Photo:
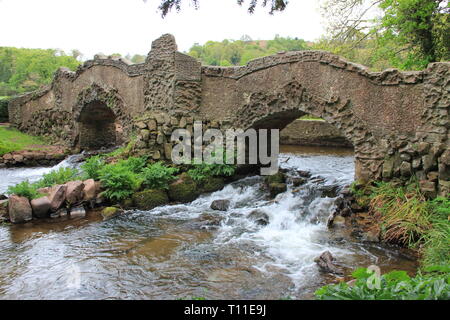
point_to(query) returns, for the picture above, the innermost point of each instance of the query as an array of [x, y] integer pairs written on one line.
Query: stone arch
[[101, 117], [276, 109]]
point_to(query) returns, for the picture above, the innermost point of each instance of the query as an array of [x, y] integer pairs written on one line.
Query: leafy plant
[[203, 171], [92, 167], [24, 189], [158, 176], [60, 176], [134, 164], [119, 182], [395, 285]]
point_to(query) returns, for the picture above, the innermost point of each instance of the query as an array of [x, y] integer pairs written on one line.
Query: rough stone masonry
[[398, 122]]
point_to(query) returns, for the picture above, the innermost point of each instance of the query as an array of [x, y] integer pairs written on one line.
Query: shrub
[[119, 182], [158, 176], [24, 189], [60, 176], [92, 167], [395, 285]]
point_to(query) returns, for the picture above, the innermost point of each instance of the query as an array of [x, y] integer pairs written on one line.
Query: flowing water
[[189, 250]]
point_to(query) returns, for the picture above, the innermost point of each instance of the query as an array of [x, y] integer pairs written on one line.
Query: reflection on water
[[189, 250]]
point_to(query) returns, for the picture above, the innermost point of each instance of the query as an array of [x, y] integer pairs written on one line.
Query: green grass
[[14, 140]]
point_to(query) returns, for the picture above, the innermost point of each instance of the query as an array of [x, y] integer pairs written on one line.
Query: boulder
[[211, 184], [259, 217], [19, 209], [304, 174], [57, 197], [277, 188], [276, 178], [77, 212], [150, 198], [4, 210], [298, 181], [74, 191], [326, 263], [90, 189], [183, 190], [110, 212], [221, 205], [41, 207]]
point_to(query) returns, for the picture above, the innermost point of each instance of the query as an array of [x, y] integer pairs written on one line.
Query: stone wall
[[397, 121], [313, 133]]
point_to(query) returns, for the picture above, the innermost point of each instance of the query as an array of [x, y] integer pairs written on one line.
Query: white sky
[[129, 26]]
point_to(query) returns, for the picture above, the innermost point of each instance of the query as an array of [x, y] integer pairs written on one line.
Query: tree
[[275, 5], [407, 34]]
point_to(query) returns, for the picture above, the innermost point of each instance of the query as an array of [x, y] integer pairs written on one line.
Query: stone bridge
[[398, 122]]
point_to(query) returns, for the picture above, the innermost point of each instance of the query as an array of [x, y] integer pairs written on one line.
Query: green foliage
[[24, 70], [203, 171], [134, 164], [406, 34], [60, 176], [408, 218], [92, 167], [437, 240], [24, 189], [119, 181], [404, 212], [158, 176], [395, 285], [234, 53], [14, 140]]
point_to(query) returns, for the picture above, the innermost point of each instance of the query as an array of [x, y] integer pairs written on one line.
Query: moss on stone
[[109, 212], [276, 188], [150, 198], [276, 178], [211, 184], [184, 189]]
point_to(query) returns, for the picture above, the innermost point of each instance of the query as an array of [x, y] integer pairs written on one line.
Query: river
[[189, 250]]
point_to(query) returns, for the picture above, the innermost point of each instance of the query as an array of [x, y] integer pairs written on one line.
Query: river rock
[[150, 198], [221, 205], [259, 217], [277, 188], [74, 191], [19, 209], [211, 184], [41, 207], [57, 197], [90, 189], [304, 174], [298, 181], [77, 212], [275, 178], [183, 190], [3, 197], [110, 212], [326, 263], [4, 210]]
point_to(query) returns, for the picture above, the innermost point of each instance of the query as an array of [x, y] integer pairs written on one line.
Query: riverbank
[[396, 214]]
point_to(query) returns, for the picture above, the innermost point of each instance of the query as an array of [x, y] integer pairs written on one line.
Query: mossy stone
[[184, 189], [276, 188], [150, 198], [110, 212], [211, 184], [276, 178]]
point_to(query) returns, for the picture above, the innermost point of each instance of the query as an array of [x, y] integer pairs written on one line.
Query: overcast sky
[[129, 26]]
